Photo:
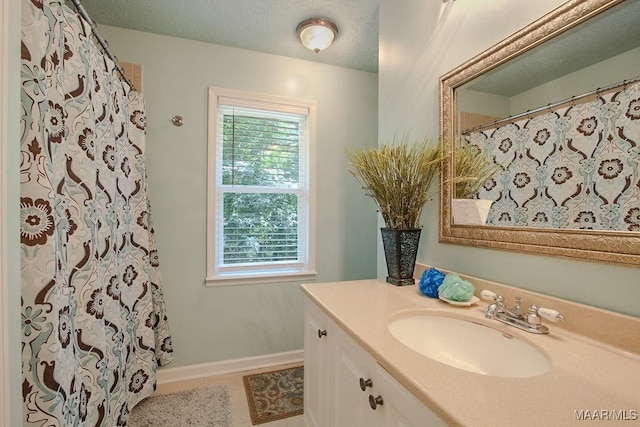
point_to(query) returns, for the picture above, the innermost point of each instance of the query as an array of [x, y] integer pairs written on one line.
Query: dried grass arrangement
[[398, 175], [472, 170]]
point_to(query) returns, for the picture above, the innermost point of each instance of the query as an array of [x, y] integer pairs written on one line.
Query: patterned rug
[[205, 407], [274, 395]]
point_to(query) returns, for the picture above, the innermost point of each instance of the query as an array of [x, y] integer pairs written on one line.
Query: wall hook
[[177, 121]]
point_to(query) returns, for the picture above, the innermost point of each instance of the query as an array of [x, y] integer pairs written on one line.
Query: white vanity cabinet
[[401, 408], [337, 370], [316, 365], [353, 370]]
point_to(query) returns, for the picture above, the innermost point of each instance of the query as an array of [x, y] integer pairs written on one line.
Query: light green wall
[[222, 323], [602, 74], [484, 103], [415, 52]]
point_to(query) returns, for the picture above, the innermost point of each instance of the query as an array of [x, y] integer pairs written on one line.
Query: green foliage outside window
[[259, 155]]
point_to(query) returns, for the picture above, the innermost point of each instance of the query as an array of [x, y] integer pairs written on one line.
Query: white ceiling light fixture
[[317, 33]]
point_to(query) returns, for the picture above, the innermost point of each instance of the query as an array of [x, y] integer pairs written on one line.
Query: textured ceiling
[[609, 34], [261, 25]]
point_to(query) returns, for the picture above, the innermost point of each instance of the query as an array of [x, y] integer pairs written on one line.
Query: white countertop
[[586, 375]]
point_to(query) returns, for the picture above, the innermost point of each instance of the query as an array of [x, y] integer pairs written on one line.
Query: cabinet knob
[[365, 383], [322, 333], [375, 401]]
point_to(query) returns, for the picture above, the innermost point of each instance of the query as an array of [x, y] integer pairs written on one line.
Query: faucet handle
[[550, 314], [532, 316], [488, 295], [517, 308]]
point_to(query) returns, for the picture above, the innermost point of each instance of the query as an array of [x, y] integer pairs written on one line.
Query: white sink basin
[[469, 346]]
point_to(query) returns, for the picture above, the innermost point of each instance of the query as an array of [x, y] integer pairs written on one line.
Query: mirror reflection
[[555, 107], [561, 123]]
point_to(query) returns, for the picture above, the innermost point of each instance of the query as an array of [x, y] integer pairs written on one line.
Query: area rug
[[205, 407], [275, 395]]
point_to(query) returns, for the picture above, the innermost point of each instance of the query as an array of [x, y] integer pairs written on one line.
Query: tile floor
[[239, 406]]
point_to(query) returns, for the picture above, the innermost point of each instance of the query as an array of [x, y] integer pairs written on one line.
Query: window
[[260, 196]]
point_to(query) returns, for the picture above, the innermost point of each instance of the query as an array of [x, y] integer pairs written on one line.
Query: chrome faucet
[[515, 317]]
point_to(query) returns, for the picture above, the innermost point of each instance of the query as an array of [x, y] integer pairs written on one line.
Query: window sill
[[255, 279]]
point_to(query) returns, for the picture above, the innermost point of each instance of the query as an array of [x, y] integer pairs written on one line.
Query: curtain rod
[[552, 105], [101, 41]]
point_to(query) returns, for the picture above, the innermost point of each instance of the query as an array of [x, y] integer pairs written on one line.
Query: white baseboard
[[189, 372]]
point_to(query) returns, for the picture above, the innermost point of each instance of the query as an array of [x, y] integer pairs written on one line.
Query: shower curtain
[[94, 328], [576, 167]]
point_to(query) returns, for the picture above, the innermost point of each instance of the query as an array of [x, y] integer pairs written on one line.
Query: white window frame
[[218, 275]]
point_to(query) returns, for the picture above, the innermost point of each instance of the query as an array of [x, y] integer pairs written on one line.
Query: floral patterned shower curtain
[[94, 328], [575, 167]]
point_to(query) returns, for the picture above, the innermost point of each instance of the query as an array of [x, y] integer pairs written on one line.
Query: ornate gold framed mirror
[[561, 37]]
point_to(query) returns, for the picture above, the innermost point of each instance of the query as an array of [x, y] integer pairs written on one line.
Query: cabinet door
[[401, 408], [353, 365], [316, 367], [334, 364]]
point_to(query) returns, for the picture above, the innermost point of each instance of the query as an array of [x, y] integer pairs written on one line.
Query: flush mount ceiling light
[[317, 33]]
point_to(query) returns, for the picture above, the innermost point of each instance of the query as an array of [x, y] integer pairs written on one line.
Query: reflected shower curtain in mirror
[[94, 328], [575, 167]]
